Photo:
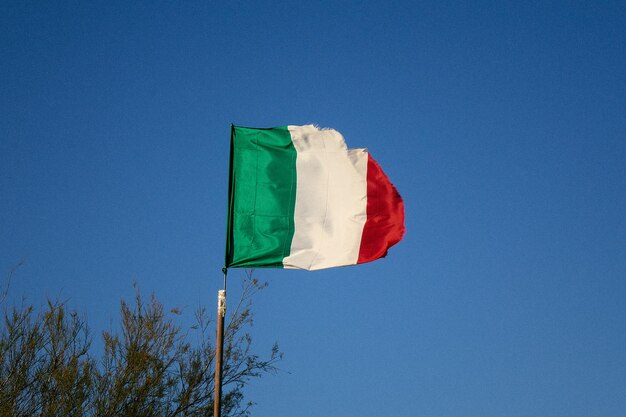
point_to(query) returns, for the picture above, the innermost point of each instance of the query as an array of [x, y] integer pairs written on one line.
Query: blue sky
[[502, 124]]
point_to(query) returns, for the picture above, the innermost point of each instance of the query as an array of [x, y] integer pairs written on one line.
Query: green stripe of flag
[[263, 167]]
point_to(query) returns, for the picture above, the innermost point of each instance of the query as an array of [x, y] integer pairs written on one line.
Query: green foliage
[[150, 368]]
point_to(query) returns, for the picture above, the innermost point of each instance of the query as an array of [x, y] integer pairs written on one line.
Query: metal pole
[[219, 348]]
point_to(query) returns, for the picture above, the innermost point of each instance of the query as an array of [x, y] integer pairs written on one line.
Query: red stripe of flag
[[384, 226]]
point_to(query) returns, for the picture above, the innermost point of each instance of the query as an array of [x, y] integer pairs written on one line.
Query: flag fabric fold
[[299, 198]]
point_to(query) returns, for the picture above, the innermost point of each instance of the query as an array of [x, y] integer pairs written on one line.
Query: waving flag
[[299, 198]]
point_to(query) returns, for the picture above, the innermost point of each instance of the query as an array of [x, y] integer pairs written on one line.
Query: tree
[[150, 368]]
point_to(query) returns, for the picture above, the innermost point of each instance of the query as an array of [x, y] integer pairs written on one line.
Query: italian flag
[[299, 198]]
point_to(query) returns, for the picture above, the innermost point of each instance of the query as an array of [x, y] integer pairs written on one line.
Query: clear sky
[[503, 126]]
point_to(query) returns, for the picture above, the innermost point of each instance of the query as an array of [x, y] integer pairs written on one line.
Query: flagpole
[[219, 348]]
